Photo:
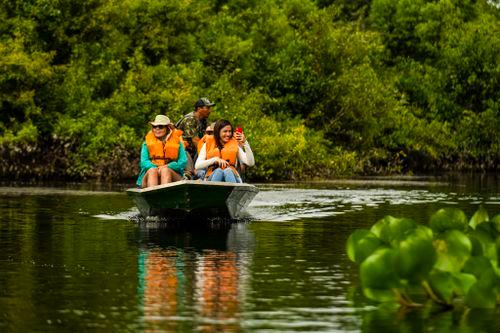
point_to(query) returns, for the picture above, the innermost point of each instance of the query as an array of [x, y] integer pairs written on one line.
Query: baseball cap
[[203, 102]]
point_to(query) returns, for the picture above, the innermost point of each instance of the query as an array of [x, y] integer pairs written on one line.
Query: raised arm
[[245, 155]]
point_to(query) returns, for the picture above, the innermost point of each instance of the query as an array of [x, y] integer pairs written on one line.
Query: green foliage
[[392, 230], [448, 219], [322, 88], [480, 216], [361, 244], [453, 249], [411, 267], [398, 255], [379, 276]]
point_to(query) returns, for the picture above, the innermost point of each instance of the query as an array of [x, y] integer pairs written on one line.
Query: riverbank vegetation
[[322, 88]]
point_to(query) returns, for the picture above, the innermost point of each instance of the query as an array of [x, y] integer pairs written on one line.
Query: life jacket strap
[[166, 159]]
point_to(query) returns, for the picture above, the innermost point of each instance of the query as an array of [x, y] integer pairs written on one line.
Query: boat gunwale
[[190, 182]]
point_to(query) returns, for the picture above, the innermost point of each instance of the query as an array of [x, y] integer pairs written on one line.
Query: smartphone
[[239, 129]]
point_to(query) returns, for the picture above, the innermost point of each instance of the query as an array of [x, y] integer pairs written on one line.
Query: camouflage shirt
[[192, 127]]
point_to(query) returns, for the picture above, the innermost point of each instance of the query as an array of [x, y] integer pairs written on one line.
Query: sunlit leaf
[[391, 229], [448, 219], [462, 283], [380, 295], [442, 285], [377, 271], [480, 216], [416, 254], [453, 249], [360, 244]]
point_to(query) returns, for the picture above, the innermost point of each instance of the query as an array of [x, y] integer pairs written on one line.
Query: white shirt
[[245, 156]]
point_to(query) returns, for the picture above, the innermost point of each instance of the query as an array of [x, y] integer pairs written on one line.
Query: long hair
[[220, 124]]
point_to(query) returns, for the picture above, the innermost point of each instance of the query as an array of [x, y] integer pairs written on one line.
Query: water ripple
[[292, 204]]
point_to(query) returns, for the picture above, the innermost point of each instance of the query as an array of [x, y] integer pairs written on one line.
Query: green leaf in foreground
[[480, 216], [448, 219], [453, 249], [391, 229], [416, 254], [482, 294], [380, 295], [361, 244], [477, 266], [478, 297], [378, 275], [482, 236], [451, 260], [495, 221], [442, 285], [462, 283], [498, 252]]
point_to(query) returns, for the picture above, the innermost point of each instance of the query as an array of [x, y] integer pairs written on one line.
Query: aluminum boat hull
[[198, 199]]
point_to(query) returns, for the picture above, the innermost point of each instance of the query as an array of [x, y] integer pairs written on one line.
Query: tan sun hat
[[161, 120]]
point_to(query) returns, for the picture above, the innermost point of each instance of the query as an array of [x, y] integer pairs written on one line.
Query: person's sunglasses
[[159, 126], [209, 132]]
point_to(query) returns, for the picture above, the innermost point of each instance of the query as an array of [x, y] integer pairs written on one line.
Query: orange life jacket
[[179, 133], [209, 144], [163, 153], [229, 153]]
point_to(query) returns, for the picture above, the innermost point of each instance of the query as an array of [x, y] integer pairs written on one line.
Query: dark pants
[[189, 171]]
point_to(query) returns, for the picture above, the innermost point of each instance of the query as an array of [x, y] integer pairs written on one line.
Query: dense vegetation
[[322, 88], [450, 259]]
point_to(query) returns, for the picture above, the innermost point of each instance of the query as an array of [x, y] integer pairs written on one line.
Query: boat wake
[[131, 214], [283, 203], [291, 204]]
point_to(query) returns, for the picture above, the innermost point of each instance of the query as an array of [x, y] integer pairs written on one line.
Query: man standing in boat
[[193, 126]]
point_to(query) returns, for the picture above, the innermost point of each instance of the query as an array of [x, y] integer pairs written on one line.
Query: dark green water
[[77, 258]]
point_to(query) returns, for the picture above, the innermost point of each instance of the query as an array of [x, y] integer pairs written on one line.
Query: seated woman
[[223, 154], [163, 157]]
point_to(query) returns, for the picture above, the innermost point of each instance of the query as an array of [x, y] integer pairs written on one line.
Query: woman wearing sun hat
[[163, 157]]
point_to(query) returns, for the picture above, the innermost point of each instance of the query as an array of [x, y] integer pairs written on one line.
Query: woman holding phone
[[228, 150]]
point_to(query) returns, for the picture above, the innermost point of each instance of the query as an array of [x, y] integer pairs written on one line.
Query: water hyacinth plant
[[450, 259]]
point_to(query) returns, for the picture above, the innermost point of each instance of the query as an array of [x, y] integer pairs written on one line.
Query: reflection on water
[[185, 282], [81, 260]]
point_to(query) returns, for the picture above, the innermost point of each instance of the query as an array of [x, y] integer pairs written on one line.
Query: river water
[[79, 258]]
